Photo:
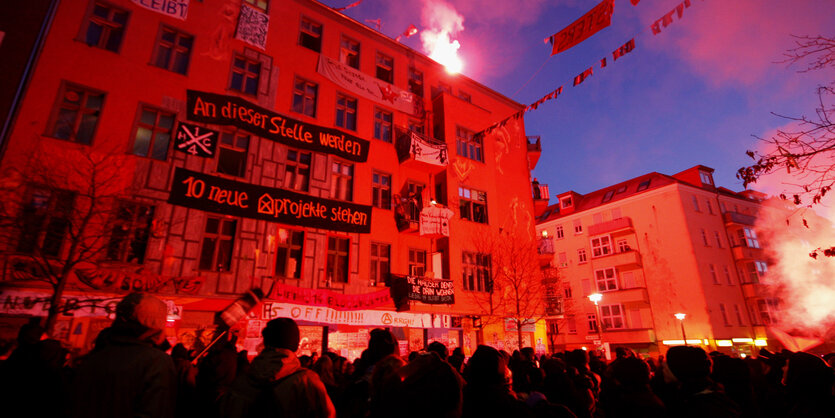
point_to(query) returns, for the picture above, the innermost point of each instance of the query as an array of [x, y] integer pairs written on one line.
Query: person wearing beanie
[[276, 384], [127, 374]]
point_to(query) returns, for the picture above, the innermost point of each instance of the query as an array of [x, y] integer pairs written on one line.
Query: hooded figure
[[127, 374], [276, 384]]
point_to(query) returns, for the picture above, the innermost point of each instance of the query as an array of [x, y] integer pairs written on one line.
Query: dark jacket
[[124, 377], [296, 392]]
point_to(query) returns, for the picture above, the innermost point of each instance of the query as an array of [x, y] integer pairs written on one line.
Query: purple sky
[[693, 94]]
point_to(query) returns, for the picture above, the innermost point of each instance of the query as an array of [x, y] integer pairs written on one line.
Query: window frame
[[559, 232], [304, 98], [298, 169], [609, 318], [379, 188], [376, 273], [468, 145], [120, 248], [415, 264], [227, 149], [40, 220], [219, 237], [309, 35], [384, 67], [246, 74], [476, 271], [346, 52], [155, 132], [79, 112], [416, 85], [465, 199], [108, 26], [601, 248], [335, 255], [609, 283], [380, 125], [346, 112], [175, 48], [342, 190], [288, 248], [582, 256]]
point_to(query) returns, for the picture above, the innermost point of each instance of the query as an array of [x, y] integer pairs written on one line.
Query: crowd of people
[[129, 373]]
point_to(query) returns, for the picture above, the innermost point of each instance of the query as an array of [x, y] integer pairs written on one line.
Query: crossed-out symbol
[[203, 141]]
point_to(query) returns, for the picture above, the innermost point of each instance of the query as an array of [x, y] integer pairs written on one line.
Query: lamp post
[[595, 297], [680, 317]]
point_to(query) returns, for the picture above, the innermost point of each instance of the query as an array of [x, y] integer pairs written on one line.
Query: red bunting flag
[[411, 30], [582, 77], [602, 62], [635, 2], [354, 4], [592, 22], [623, 50]]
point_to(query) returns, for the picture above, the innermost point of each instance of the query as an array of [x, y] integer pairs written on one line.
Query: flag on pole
[[592, 22], [411, 30]]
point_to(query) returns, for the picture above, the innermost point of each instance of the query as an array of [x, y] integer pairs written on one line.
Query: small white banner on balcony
[[369, 87], [435, 221], [427, 152]]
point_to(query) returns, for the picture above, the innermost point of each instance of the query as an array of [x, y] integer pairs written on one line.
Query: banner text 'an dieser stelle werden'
[[215, 194], [230, 110]]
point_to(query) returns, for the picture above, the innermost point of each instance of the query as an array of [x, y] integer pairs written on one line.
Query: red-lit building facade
[[280, 145], [651, 247]]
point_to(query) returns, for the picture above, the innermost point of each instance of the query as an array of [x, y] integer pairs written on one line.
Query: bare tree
[[57, 211], [515, 289], [806, 151]]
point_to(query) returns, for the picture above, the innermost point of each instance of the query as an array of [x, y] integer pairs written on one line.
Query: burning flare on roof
[[442, 22]]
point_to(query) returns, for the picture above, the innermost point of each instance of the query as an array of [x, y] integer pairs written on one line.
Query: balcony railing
[[620, 224], [622, 259], [742, 252], [421, 151], [738, 218], [545, 246], [540, 191]]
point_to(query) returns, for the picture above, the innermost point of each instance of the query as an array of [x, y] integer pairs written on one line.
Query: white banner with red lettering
[[323, 315], [369, 87]]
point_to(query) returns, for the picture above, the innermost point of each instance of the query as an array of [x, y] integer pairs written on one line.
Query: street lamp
[[680, 317], [595, 297]]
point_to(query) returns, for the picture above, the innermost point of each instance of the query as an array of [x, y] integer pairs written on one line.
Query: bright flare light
[[446, 53], [595, 297], [442, 21], [680, 316]]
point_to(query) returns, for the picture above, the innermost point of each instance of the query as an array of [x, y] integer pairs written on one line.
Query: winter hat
[[282, 333]]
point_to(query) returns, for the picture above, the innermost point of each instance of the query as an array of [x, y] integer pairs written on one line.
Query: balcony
[[620, 225], [545, 246], [627, 259], [628, 295], [738, 218], [421, 152], [754, 290], [407, 213], [743, 253]]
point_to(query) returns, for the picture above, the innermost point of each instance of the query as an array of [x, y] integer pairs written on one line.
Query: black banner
[[196, 140], [214, 194], [423, 289], [230, 110]]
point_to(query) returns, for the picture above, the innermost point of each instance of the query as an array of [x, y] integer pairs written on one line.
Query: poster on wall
[[215, 194], [196, 140], [253, 26], [230, 110], [422, 289]]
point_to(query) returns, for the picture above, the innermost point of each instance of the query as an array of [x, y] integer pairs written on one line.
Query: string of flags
[[354, 4], [411, 30], [582, 29]]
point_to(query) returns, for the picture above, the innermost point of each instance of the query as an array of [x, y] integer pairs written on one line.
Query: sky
[[696, 93]]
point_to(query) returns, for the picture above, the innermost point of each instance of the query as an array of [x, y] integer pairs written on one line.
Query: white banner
[[369, 87], [428, 152], [177, 9], [435, 221], [252, 27], [323, 315]]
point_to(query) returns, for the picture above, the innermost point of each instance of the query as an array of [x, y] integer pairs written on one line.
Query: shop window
[[304, 97], [288, 254], [297, 170], [153, 133], [346, 112], [472, 205], [105, 26], [342, 181], [76, 113], [310, 35], [246, 74], [45, 220], [477, 272], [130, 233], [349, 52], [218, 242], [232, 152], [173, 50], [380, 263], [338, 253]]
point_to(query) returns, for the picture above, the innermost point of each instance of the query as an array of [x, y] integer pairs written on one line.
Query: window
[[724, 313], [706, 177], [297, 170], [385, 68], [643, 185], [738, 315], [417, 262], [76, 113], [601, 246], [304, 97], [416, 82], [414, 199], [381, 190], [416, 126], [218, 241], [173, 50], [571, 324], [130, 232], [153, 133], [380, 263], [767, 309], [472, 205], [578, 227], [566, 290], [231, 155], [382, 125], [608, 196], [288, 254], [259, 4], [560, 234], [44, 221], [477, 272], [606, 279], [563, 259], [592, 322], [623, 246], [709, 207], [342, 181], [310, 35], [696, 204], [713, 275], [704, 237], [566, 202], [621, 189], [465, 96], [748, 237], [346, 112], [612, 317], [245, 75], [728, 276], [581, 255], [442, 88], [349, 52], [468, 145], [718, 239], [106, 27], [338, 249]]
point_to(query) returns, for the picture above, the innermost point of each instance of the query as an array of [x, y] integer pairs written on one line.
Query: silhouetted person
[[809, 382], [438, 348], [430, 387], [186, 381], [276, 384], [126, 374], [488, 392], [381, 343], [456, 360], [628, 394], [697, 395], [215, 373]]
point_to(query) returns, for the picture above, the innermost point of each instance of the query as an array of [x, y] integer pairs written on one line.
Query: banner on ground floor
[[329, 316], [328, 298], [34, 303]]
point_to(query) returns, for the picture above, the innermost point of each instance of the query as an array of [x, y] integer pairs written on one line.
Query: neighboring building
[[214, 120], [654, 246]]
